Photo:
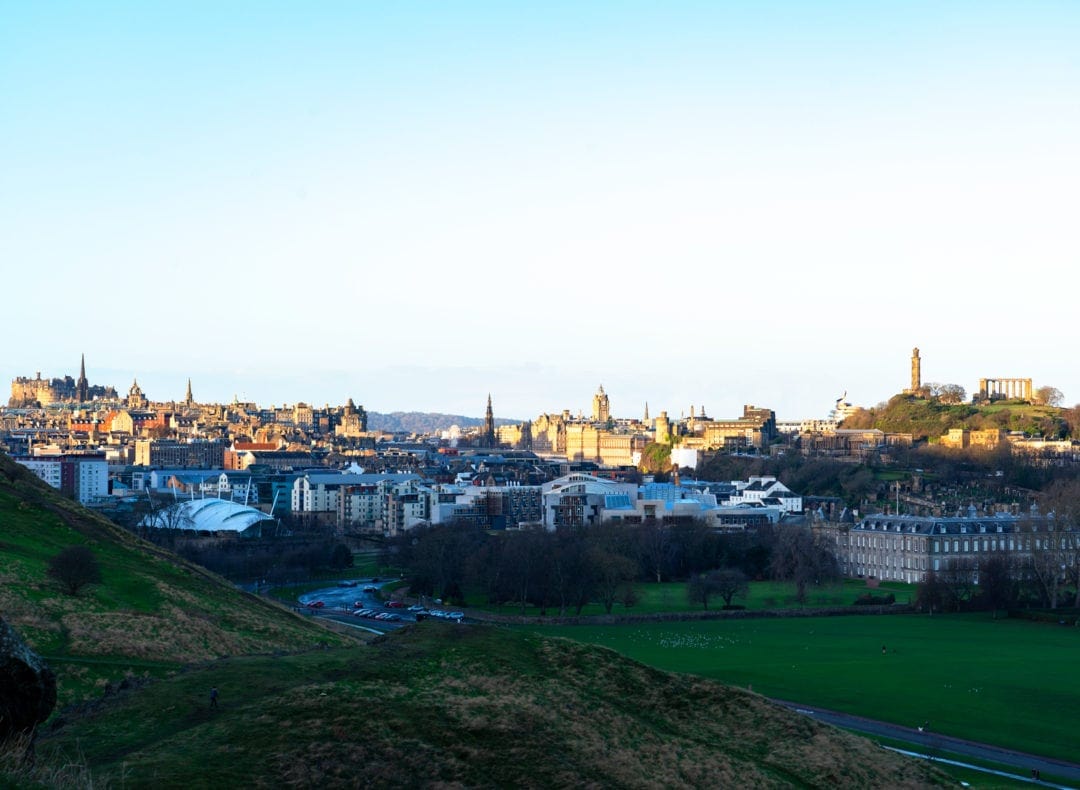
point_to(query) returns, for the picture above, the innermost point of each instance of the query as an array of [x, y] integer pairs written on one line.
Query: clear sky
[[415, 204]]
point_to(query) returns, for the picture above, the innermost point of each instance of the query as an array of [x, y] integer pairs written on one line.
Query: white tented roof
[[210, 515]]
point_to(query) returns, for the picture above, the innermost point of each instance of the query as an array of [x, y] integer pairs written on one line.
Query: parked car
[[396, 604], [364, 612], [371, 589], [382, 615], [416, 608], [315, 604], [456, 616], [393, 617]]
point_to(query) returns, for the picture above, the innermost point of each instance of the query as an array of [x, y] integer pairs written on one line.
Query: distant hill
[[152, 612], [440, 705], [931, 418], [425, 422]]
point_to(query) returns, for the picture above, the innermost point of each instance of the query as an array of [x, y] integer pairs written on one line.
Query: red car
[[316, 605], [396, 604]]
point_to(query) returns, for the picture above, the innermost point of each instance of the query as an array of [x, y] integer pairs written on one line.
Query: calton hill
[[640, 655]]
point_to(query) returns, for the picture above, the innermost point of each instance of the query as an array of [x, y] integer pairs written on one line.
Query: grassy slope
[[152, 612], [479, 706], [930, 418], [968, 675]]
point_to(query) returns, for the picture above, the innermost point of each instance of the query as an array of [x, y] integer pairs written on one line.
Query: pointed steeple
[[188, 398], [489, 424], [646, 412], [82, 388]]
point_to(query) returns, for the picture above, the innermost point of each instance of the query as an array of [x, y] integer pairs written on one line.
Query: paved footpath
[[934, 742]]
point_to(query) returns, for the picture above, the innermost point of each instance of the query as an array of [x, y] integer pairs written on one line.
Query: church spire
[[489, 424], [82, 388], [188, 398]]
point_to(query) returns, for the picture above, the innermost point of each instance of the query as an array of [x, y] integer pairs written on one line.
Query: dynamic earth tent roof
[[209, 515]]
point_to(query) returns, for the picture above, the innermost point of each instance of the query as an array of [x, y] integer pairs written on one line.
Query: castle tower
[[82, 388], [489, 425], [916, 371], [601, 406]]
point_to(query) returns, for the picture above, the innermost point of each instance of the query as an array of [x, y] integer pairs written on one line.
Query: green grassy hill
[[152, 612], [929, 417], [448, 705]]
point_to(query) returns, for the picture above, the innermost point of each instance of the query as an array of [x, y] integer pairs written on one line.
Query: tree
[[726, 583], [613, 573], [802, 558], [1061, 501], [173, 516], [932, 593], [1072, 420], [341, 557], [951, 393], [959, 580], [655, 549], [74, 568], [997, 583], [1049, 396]]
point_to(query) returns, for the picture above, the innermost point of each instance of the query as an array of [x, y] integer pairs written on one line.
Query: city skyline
[[415, 205], [158, 386]]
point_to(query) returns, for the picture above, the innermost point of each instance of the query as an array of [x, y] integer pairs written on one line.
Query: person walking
[[213, 697]]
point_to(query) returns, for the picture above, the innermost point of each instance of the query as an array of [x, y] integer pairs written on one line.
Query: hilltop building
[[37, 391]]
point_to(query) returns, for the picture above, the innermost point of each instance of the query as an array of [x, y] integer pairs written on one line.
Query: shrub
[[74, 568], [868, 599]]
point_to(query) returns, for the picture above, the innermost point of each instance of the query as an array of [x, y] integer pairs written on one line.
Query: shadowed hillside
[[449, 705]]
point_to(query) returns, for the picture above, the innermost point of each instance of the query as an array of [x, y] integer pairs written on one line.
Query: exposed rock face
[[27, 685]]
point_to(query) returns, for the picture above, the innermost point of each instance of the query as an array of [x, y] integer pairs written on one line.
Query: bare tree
[[727, 583], [802, 558], [1049, 396], [74, 568], [172, 516], [952, 393], [613, 573], [933, 593], [958, 579], [1061, 540], [656, 549]]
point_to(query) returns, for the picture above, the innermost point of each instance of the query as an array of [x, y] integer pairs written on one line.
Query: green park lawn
[[1009, 682]]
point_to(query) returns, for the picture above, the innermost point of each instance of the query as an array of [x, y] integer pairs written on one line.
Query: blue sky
[[413, 205]]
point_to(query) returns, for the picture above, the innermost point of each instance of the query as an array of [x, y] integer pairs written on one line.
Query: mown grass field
[[1007, 682], [473, 706]]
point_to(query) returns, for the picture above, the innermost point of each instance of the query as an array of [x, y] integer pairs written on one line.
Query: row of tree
[[565, 569], [1000, 582]]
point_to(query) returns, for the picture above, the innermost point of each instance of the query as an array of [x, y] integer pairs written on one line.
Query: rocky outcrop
[[27, 685]]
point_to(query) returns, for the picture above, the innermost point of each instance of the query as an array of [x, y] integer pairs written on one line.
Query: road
[[934, 743]]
